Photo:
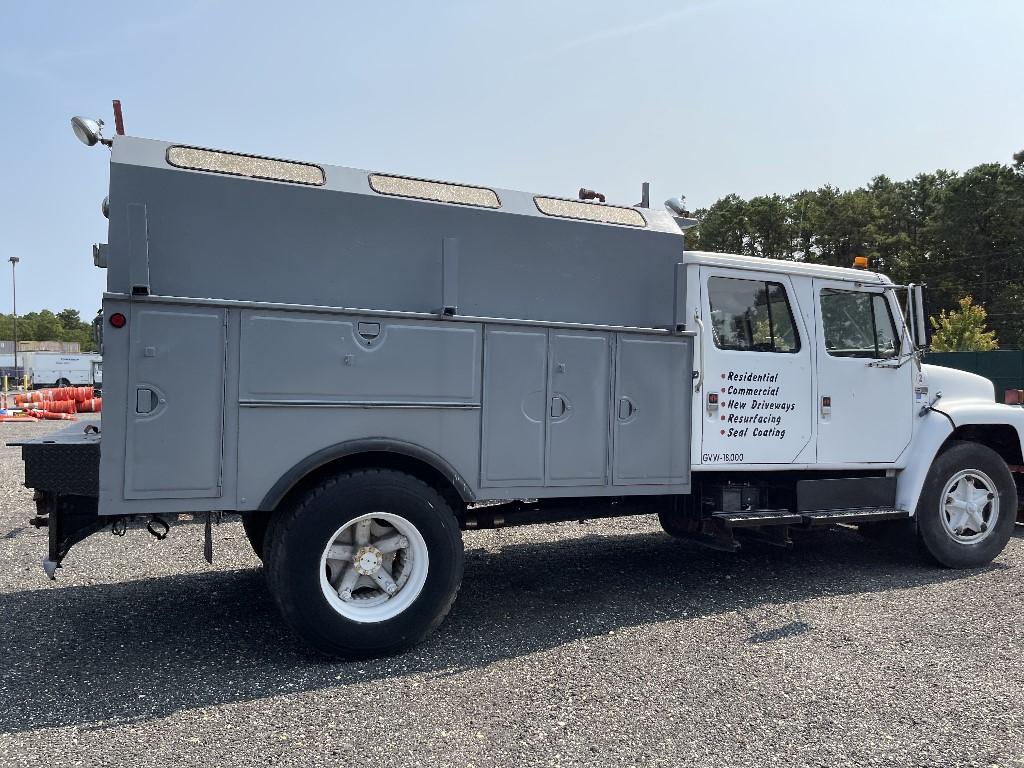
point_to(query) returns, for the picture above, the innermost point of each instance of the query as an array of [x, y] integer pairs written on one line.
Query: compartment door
[[175, 429], [653, 386], [514, 407], [579, 383]]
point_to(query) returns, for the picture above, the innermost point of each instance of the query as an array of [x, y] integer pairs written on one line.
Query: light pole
[[14, 302]]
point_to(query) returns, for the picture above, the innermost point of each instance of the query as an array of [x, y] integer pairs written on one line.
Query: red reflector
[[118, 320]]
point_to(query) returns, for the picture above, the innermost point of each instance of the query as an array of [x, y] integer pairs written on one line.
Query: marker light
[[860, 262], [118, 320]]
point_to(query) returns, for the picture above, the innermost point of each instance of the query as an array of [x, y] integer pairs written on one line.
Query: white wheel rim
[[969, 506], [374, 567]]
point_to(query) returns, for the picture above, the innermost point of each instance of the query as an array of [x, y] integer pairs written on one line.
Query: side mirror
[[920, 330]]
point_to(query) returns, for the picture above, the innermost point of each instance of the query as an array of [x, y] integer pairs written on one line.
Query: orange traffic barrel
[[58, 406]]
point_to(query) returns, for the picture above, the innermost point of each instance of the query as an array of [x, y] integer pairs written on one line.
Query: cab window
[[751, 316], [858, 324]]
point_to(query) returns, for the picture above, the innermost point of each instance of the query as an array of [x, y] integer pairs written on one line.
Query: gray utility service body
[[272, 328], [271, 325]]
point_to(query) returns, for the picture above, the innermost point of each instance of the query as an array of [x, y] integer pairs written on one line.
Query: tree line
[[66, 325], [960, 233]]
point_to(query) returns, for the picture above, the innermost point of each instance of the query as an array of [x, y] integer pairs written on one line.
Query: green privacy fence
[[1005, 367]]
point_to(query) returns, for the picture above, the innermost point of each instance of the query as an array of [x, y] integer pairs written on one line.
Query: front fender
[[935, 428]]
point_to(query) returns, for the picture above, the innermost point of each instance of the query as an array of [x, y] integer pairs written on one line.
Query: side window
[[858, 324], [751, 316]]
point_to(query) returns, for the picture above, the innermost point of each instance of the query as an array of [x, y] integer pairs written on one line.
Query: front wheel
[[966, 512], [366, 563]]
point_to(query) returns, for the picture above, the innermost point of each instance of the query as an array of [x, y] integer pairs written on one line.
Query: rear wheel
[[63, 383], [677, 519], [366, 563], [255, 525], [966, 512]]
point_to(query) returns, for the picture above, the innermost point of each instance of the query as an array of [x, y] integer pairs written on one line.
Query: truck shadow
[[100, 656]]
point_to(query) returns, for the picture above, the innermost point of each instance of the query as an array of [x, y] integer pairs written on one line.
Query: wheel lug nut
[[403, 542], [391, 589], [346, 594]]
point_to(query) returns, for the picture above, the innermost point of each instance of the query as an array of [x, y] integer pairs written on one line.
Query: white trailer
[[57, 369]]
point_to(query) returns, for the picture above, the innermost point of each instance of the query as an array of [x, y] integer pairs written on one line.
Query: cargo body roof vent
[[251, 166], [437, 191], [574, 209]]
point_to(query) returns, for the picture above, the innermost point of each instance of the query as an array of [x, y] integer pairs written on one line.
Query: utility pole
[[14, 302]]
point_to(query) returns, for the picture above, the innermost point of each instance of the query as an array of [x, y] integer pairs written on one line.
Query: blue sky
[[701, 97]]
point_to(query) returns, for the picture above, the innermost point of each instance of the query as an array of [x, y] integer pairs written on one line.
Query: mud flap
[[69, 519]]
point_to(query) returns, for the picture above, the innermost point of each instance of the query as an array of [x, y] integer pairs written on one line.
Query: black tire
[[677, 520], [63, 383], [303, 528], [255, 525], [940, 544]]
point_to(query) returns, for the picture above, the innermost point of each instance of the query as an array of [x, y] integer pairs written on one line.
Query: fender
[[324, 456], [933, 431]]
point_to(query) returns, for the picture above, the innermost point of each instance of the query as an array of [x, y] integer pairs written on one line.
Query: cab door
[[757, 397], [865, 375]]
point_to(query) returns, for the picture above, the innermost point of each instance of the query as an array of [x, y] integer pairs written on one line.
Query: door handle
[[145, 400], [626, 408], [557, 406]]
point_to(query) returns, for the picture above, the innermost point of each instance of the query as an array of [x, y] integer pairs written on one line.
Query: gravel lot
[[605, 643]]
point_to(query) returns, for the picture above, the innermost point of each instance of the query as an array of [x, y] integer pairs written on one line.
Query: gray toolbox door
[[175, 409], [653, 390], [514, 405], [579, 377]]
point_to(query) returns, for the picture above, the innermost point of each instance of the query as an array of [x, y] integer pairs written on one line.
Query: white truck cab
[[804, 366]]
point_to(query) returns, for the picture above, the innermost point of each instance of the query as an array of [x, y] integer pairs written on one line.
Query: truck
[[58, 369], [464, 357]]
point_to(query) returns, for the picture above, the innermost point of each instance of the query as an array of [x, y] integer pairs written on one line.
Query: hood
[[958, 385]]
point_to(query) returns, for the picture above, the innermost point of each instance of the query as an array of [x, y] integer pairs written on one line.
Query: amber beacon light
[[860, 262]]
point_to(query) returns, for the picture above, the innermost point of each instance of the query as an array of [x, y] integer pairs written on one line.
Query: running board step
[[859, 515], [758, 518]]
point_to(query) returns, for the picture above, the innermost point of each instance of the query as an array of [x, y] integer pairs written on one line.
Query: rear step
[[758, 518], [858, 515]]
